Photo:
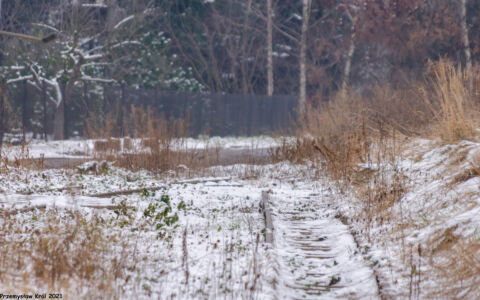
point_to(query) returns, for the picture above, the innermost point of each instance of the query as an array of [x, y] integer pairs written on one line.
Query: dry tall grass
[[341, 132], [101, 125], [452, 104], [19, 157], [344, 131], [358, 137], [159, 145], [161, 142], [458, 270], [69, 253]]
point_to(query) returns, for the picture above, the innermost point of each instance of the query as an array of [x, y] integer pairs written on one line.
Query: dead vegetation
[[65, 252], [358, 137], [450, 101], [356, 130], [157, 144], [20, 159], [160, 145], [345, 130], [458, 270]]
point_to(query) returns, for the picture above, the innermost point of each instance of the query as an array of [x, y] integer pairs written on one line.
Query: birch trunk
[[269, 49], [246, 24], [348, 61], [303, 60], [466, 43]]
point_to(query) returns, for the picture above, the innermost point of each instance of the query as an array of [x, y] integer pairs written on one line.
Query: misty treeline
[[309, 48]]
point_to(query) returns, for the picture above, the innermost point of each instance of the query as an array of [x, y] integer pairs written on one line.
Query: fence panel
[[211, 114], [219, 114]]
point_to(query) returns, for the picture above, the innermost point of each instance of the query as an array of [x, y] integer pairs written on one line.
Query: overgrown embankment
[[405, 164]]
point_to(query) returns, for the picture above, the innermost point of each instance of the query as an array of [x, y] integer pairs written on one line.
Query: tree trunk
[[59, 131], [303, 60], [3, 103], [44, 96], [348, 61], [269, 49], [120, 106], [24, 111], [244, 67], [466, 43], [59, 127]]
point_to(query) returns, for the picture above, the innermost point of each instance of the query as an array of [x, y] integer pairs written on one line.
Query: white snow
[[436, 200], [85, 148], [324, 248]]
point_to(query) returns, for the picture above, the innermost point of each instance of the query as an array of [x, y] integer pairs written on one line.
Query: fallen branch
[[156, 188], [111, 207], [195, 181], [60, 189], [125, 192]]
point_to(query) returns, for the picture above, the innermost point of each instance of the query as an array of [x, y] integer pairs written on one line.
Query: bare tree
[[81, 54], [351, 11], [224, 46], [269, 48], [3, 104], [466, 42], [246, 24], [303, 58]]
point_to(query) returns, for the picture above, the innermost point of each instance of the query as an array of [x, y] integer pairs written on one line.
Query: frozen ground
[[205, 237]]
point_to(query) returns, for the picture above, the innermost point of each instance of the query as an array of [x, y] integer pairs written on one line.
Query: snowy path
[[312, 254], [317, 255]]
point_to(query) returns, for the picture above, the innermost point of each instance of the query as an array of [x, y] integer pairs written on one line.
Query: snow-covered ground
[[317, 254], [205, 237], [217, 220], [218, 240], [423, 245], [85, 148]]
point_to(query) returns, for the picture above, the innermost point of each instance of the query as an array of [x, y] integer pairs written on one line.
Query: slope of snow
[[408, 241]]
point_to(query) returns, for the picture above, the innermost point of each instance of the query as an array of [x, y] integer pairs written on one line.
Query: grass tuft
[[448, 97]]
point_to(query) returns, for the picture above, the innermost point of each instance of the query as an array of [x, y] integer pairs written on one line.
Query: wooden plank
[[267, 214]]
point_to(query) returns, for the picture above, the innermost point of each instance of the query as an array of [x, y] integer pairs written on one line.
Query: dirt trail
[[317, 255]]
